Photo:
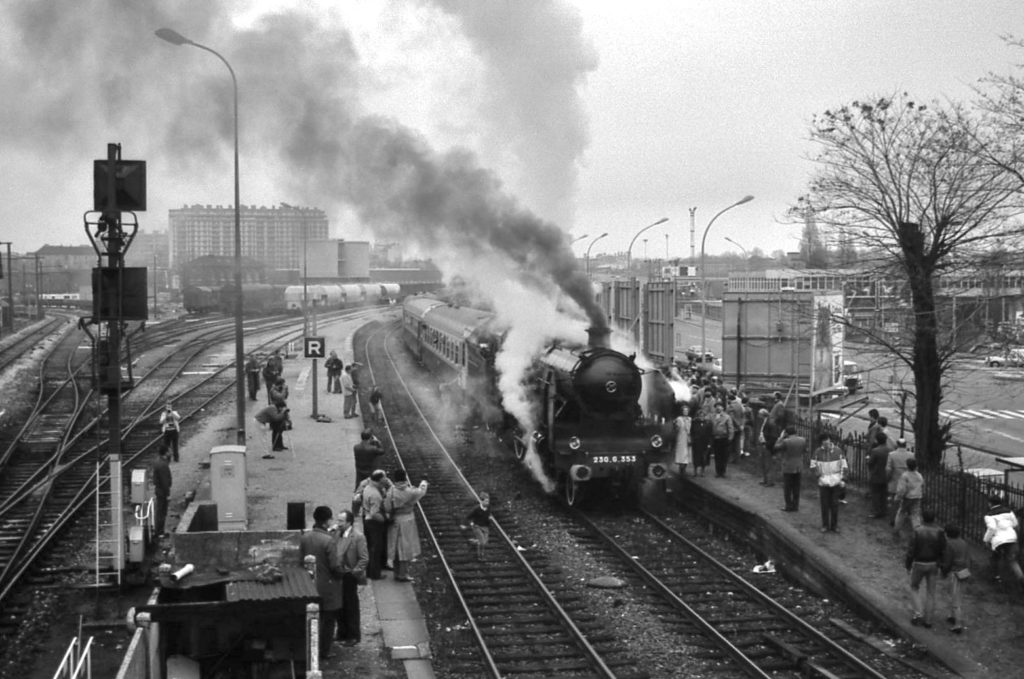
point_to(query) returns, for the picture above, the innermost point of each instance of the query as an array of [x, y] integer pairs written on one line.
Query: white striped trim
[[998, 413]]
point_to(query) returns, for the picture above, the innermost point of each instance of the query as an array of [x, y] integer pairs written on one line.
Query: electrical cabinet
[[228, 486]]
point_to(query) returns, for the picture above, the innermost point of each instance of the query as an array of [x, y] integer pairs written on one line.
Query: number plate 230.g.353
[[613, 459]]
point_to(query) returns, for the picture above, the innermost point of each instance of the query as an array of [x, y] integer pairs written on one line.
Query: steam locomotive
[[263, 298], [603, 424]]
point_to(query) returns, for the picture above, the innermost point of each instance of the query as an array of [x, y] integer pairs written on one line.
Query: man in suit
[[354, 558], [321, 544]]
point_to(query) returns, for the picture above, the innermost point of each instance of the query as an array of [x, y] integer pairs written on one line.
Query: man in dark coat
[[252, 376], [366, 453], [322, 545], [791, 447], [161, 475], [354, 557], [334, 366], [878, 481], [274, 417], [700, 437]]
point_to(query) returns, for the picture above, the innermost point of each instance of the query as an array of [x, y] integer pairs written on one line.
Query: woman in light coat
[[683, 451], [403, 536]]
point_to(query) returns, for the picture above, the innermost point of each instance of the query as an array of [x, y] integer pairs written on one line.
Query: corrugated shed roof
[[295, 583]]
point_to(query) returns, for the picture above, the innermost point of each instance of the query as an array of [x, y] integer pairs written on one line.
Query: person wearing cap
[[322, 545], [375, 523], [895, 465]]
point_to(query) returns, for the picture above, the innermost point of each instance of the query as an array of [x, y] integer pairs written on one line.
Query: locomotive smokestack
[[599, 337]]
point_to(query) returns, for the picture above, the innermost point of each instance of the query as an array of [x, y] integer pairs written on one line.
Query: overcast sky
[[597, 116]]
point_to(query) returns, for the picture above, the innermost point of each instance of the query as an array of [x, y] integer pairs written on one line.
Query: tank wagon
[[603, 424], [266, 299]]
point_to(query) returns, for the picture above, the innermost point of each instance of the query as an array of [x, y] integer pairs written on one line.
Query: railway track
[[19, 345], [525, 619], [677, 573], [48, 484], [757, 632]]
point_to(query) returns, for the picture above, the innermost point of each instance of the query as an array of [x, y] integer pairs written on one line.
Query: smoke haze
[[92, 73]]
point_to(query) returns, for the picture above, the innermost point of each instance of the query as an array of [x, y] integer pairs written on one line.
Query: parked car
[[1014, 357]]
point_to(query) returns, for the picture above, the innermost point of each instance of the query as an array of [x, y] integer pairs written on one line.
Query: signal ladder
[[110, 535]]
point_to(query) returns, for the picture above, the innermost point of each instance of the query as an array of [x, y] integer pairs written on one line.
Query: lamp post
[[743, 249], [176, 38], [629, 252], [746, 255], [590, 246], [703, 275]]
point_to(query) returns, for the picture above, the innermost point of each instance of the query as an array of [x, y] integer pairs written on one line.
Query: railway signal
[[118, 294]]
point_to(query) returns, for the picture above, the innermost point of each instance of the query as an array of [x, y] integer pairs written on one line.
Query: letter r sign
[[314, 347]]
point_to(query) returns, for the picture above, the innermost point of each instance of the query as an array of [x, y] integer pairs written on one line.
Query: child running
[[480, 520]]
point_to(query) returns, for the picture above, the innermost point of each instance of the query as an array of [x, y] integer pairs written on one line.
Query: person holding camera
[[170, 423], [403, 536], [277, 418]]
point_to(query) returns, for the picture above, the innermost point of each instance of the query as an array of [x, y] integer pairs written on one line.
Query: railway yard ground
[[317, 469]]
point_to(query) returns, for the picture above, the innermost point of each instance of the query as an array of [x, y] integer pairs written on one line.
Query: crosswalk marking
[[982, 414]]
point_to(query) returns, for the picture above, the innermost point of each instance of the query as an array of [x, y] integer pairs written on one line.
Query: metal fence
[[957, 496]]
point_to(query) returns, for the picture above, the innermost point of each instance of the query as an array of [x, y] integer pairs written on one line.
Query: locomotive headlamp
[[657, 441], [574, 442], [537, 437]]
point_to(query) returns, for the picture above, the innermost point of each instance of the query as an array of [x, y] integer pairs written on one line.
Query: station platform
[[862, 563], [317, 469]]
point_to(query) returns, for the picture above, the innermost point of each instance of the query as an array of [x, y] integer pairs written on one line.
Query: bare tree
[[913, 186]]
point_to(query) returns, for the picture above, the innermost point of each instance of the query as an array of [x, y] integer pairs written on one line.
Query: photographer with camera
[[170, 423], [277, 418]]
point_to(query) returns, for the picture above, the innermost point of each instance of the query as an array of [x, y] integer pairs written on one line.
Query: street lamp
[[578, 238], [629, 252], [703, 275], [590, 246], [176, 38], [745, 253]]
